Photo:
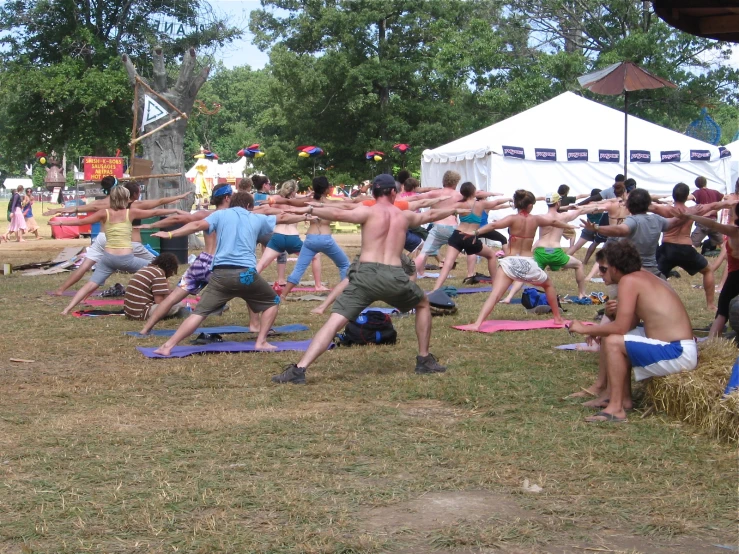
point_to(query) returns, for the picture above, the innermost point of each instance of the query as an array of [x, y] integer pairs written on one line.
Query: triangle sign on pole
[[152, 111]]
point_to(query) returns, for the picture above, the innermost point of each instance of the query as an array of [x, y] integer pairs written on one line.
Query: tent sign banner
[[577, 155], [513, 152], [546, 154], [723, 152], [613, 156], [669, 156], [153, 111], [97, 167], [641, 156], [700, 155]]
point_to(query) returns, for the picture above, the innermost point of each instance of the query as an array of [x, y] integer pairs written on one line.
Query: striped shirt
[[141, 289]]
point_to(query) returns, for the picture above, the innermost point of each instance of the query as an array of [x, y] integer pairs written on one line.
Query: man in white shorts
[[663, 346]]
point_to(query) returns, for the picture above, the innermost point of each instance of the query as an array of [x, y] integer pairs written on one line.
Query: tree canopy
[[349, 77]]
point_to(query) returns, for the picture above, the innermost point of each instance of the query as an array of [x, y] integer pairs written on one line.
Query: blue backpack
[[531, 298]]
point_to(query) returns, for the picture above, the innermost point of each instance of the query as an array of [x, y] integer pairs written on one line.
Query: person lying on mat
[[118, 226], [663, 346], [377, 276], [148, 289], [196, 277], [234, 265], [519, 264]]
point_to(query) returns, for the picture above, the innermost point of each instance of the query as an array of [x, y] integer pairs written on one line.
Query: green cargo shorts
[[370, 282]]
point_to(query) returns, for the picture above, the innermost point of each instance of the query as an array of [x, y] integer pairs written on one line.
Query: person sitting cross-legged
[[664, 345], [148, 288]]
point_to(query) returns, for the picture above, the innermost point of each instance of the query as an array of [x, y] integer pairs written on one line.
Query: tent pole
[[626, 132]]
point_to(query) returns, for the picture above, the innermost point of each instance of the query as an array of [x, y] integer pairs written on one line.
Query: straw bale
[[697, 397]]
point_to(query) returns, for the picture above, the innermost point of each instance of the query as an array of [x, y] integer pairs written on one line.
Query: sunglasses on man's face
[[602, 268]]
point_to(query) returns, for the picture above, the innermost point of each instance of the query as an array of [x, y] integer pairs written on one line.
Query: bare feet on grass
[[318, 311], [264, 346], [321, 288]]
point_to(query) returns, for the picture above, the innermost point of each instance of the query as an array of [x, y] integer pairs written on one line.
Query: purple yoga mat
[[184, 351]]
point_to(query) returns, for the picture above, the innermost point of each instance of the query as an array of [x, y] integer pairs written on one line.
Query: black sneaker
[[471, 280], [292, 374], [428, 364]]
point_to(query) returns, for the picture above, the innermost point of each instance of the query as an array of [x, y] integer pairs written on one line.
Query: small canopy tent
[[574, 141]]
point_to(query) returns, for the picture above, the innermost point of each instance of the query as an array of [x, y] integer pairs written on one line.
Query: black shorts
[[592, 236], [494, 235], [671, 255], [469, 244], [729, 291]]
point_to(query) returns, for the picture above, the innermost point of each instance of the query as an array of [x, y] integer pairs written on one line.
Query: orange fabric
[[400, 204]]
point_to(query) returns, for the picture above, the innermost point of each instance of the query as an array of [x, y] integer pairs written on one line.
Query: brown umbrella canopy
[[618, 78], [622, 77], [717, 19]]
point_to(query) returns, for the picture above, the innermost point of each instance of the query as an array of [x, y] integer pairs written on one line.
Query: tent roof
[[569, 121]]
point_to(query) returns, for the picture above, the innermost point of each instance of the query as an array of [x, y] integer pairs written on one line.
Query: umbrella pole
[[626, 132]]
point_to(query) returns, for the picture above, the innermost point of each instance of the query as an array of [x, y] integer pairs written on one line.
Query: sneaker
[[428, 364], [292, 374], [471, 280]]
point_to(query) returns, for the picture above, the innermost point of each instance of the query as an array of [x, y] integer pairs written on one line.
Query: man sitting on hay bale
[[663, 346]]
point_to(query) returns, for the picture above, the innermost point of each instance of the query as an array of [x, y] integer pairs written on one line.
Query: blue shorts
[[285, 243], [656, 358]]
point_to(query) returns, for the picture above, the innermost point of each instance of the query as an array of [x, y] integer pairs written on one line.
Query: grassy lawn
[[103, 450]]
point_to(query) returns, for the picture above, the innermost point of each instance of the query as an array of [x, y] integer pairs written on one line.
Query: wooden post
[[167, 124], [135, 120]]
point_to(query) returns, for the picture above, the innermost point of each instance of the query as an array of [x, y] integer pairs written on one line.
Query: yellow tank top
[[118, 235]]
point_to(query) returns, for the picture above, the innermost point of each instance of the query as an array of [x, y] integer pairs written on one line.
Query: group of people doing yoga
[[228, 266]]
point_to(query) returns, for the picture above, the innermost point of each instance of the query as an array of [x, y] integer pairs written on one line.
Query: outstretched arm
[[177, 219], [87, 208], [427, 203], [98, 216], [661, 209], [414, 219], [189, 229], [493, 225], [358, 215], [728, 230], [480, 194], [621, 230], [137, 213], [495, 204], [155, 203], [549, 221]]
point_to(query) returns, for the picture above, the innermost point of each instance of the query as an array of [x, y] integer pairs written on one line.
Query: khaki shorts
[[370, 282], [244, 283]]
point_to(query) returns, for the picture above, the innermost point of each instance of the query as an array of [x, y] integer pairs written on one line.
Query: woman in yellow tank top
[[118, 248]]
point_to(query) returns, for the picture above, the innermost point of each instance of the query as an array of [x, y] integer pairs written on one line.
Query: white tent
[[215, 169], [733, 147], [574, 141]]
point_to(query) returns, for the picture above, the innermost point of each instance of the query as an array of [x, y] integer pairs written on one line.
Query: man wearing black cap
[[377, 276]]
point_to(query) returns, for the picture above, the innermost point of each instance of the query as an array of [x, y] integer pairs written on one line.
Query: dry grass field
[[103, 450]]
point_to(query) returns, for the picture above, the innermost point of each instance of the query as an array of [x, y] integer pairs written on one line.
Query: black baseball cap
[[384, 181]]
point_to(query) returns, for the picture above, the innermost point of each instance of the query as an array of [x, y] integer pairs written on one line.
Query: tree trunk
[[165, 148]]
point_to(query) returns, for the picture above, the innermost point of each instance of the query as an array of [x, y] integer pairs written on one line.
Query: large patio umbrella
[[622, 77]]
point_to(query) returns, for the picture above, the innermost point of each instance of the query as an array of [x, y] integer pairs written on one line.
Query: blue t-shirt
[[237, 233]]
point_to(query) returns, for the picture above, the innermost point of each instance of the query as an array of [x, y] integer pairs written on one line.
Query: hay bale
[[697, 397]]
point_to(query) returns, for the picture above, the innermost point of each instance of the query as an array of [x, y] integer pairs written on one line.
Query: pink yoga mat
[[495, 325], [104, 302]]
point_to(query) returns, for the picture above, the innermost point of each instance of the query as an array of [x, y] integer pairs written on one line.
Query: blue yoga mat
[[390, 311], [216, 347], [223, 330]]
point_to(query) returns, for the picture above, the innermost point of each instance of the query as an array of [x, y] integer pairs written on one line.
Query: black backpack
[[371, 327]]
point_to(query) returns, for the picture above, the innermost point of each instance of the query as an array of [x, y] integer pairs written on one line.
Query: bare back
[[521, 231], [550, 236], [383, 233], [450, 198], [617, 212], [658, 306], [681, 233]]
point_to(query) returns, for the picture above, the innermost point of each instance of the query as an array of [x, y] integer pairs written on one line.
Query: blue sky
[[241, 52]]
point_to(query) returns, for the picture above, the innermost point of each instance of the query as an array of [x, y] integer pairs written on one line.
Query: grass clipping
[[697, 397]]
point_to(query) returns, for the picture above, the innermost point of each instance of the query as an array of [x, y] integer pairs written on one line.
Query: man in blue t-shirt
[[234, 268]]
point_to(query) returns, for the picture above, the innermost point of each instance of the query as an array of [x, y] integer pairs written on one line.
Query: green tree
[[62, 84]]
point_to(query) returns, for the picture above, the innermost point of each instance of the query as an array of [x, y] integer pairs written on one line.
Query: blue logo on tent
[[546, 154], [613, 156], [513, 152], [577, 155], [723, 152], [700, 155], [642, 156], [669, 156]]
